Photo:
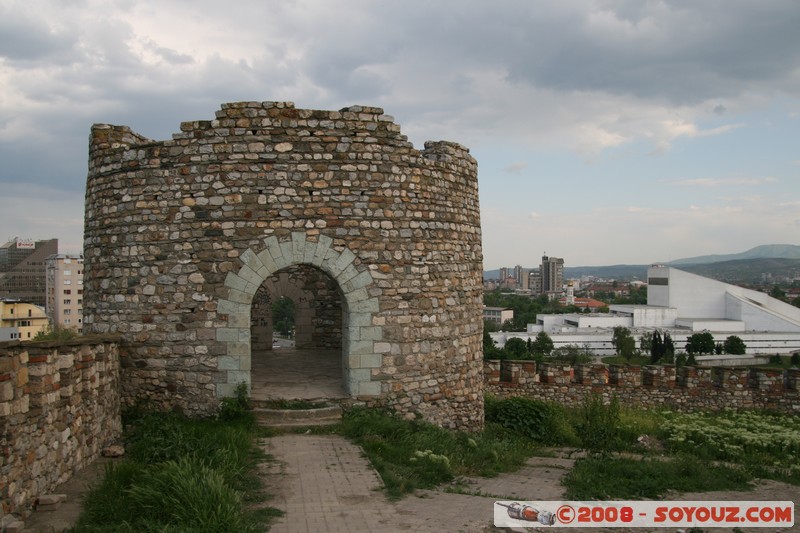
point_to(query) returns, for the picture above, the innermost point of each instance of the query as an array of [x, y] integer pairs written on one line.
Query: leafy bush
[[747, 437], [541, 421]]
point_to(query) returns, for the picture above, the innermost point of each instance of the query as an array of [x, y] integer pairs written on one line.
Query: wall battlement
[[683, 388]]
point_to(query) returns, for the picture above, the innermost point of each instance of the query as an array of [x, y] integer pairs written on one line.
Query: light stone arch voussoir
[[362, 344]]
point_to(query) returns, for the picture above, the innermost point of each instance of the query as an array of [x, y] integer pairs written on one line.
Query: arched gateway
[[181, 236]]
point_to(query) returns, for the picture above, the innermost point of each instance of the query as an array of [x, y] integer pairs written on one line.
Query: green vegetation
[[601, 478], [56, 332], [734, 345], [283, 316], [413, 454], [180, 475], [700, 343], [635, 453]]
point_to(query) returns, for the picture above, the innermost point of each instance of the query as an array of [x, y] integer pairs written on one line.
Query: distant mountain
[[747, 271], [765, 251], [780, 260]]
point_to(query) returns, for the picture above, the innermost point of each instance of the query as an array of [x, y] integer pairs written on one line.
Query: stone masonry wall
[[685, 388], [180, 234], [59, 406]]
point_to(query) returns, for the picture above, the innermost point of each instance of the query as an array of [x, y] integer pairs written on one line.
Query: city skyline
[[605, 132]]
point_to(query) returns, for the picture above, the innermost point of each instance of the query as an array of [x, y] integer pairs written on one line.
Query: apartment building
[[20, 320], [65, 290]]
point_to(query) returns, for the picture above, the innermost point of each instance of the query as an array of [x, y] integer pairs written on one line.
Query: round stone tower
[[185, 238]]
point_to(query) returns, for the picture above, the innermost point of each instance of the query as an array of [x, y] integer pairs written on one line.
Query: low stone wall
[[59, 406], [685, 388]]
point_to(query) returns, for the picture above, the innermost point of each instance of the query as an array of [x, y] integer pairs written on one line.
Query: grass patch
[[180, 475], [413, 455], [601, 478]]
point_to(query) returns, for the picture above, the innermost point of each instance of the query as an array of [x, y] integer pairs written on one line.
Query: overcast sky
[[605, 132]]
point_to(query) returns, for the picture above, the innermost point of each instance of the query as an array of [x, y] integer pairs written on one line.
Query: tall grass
[[178, 475], [412, 455]]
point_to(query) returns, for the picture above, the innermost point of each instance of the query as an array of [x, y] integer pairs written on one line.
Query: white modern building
[[682, 304]]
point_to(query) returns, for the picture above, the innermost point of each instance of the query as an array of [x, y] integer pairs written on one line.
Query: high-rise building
[[535, 281], [521, 276], [552, 271], [65, 290], [22, 269]]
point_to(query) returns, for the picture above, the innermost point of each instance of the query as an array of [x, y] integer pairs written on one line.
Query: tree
[[627, 347], [490, 349], [669, 346], [777, 292], [543, 344], [734, 345], [620, 334], [508, 325], [572, 354], [658, 348], [646, 342], [516, 348], [700, 343], [283, 315], [796, 302]]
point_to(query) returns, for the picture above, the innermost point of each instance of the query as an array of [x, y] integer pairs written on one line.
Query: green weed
[[602, 478], [414, 454]]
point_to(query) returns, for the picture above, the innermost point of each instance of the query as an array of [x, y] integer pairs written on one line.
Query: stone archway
[[360, 350]]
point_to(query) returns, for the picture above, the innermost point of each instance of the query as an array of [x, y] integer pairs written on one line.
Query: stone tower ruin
[[187, 239]]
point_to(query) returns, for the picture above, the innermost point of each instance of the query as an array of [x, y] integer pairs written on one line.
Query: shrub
[[542, 421], [599, 426], [237, 407], [56, 332]]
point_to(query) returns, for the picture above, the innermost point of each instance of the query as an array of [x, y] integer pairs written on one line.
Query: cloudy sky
[[606, 132]]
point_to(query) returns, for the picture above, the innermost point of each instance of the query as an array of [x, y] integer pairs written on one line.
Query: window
[[67, 301], [11, 311], [67, 282], [80, 291], [80, 301], [67, 311], [67, 261], [68, 272], [80, 282], [23, 323], [30, 312], [66, 321], [29, 334], [68, 291]]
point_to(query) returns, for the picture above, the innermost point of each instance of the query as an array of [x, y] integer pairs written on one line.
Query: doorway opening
[[297, 322]]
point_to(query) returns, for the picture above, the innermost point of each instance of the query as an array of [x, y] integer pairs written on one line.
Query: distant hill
[[753, 266], [765, 251], [746, 271]]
